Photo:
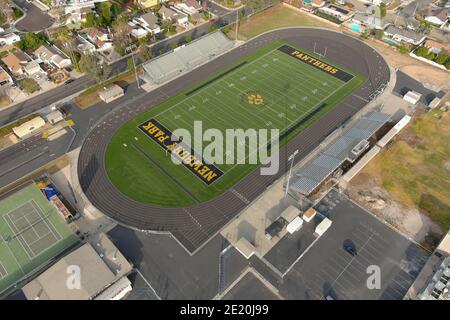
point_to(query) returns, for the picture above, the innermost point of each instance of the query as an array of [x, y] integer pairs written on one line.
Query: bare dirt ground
[[366, 190], [408, 183], [415, 68]]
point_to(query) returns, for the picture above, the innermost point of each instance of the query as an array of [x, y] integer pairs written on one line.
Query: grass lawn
[[269, 89], [273, 18], [415, 170]]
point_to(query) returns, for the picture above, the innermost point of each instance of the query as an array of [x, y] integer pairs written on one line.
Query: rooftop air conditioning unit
[[360, 147]]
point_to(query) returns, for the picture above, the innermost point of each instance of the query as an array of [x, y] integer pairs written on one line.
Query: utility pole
[[291, 158], [134, 64], [237, 23]]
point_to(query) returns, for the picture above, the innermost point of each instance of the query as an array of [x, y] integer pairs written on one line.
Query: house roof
[[52, 284], [95, 32], [13, 62], [192, 3], [4, 76], [404, 33], [46, 53], [167, 12], [437, 45], [150, 19], [438, 12]]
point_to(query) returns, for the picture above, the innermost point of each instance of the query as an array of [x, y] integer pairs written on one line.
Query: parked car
[[68, 81], [350, 249]]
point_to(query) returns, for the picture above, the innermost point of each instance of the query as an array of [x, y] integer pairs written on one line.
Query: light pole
[[291, 158], [134, 63]]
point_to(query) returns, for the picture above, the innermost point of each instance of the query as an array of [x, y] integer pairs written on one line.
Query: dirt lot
[[408, 183], [415, 68]]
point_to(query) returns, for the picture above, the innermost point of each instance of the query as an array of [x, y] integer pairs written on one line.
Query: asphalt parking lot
[[250, 287], [328, 270]]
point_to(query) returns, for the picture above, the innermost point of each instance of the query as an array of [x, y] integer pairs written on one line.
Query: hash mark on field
[[265, 65], [191, 108], [254, 71], [243, 78]]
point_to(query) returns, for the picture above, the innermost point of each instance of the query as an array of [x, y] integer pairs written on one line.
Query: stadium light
[[291, 158]]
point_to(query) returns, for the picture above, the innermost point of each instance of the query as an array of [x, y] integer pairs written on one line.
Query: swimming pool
[[355, 27]]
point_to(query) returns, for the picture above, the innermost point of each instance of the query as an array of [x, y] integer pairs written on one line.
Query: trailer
[[295, 225], [322, 227]]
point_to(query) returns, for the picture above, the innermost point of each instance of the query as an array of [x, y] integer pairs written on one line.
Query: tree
[[403, 49], [379, 33], [188, 38], [167, 25], [32, 41], [422, 51], [130, 64], [144, 53], [425, 26], [104, 10], [213, 27], [441, 59], [90, 20], [65, 37], [121, 31], [89, 64], [447, 64], [383, 10]]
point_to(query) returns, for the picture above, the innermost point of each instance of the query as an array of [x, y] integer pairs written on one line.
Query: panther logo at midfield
[[255, 99]]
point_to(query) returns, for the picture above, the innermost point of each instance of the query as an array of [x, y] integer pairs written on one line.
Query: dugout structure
[[185, 58]]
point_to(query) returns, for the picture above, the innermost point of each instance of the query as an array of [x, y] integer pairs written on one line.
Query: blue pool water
[[355, 27]]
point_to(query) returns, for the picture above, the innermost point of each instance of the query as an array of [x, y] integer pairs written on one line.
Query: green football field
[[269, 89], [31, 235]]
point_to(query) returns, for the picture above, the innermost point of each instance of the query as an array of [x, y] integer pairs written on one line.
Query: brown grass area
[[273, 18], [90, 96], [414, 170]]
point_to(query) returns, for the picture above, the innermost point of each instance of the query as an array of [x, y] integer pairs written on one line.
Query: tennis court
[[31, 234]]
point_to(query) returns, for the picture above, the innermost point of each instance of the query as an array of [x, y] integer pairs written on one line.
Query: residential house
[[167, 13], [173, 15], [314, 3], [5, 78], [8, 39], [340, 13], [15, 61], [437, 47], [188, 6], [149, 22], [436, 15], [150, 3], [99, 37], [82, 45], [404, 35], [370, 21], [181, 18], [51, 56], [77, 14], [32, 68]]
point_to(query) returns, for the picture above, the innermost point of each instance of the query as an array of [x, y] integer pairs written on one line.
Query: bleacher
[[185, 58]]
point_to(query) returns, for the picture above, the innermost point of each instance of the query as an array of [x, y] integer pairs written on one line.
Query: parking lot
[[329, 270]]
